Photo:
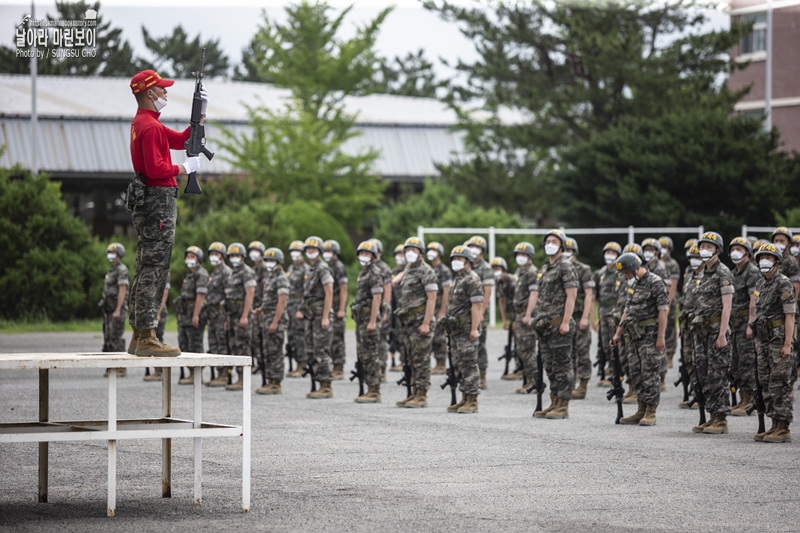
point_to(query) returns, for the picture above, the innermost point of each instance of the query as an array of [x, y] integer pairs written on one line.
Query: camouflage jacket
[[584, 273], [466, 290], [607, 289], [789, 267], [673, 269], [216, 284], [774, 298], [297, 275], [554, 280], [658, 268], [485, 273], [710, 284], [744, 284], [275, 284], [317, 276], [369, 283], [261, 272], [527, 282], [505, 287], [195, 282], [116, 277], [418, 281], [241, 278], [396, 288], [444, 280], [339, 273], [688, 293], [646, 298]]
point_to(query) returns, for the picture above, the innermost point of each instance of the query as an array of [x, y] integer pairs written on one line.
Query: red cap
[[146, 79]]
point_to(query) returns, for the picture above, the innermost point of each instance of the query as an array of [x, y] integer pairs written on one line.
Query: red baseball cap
[[146, 79]]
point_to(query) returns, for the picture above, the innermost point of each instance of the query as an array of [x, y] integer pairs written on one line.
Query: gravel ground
[[334, 465]]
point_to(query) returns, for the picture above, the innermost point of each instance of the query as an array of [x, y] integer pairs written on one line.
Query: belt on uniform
[[295, 295], [714, 319], [776, 323], [742, 313], [166, 191], [236, 302], [188, 301], [316, 304], [606, 303], [415, 310], [645, 323], [270, 310], [438, 297]]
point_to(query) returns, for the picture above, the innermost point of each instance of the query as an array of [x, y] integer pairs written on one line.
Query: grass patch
[[79, 325]]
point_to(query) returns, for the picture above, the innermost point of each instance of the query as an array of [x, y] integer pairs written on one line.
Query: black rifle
[[263, 359], [684, 372], [617, 390], [732, 382], [406, 379], [393, 347], [509, 352], [452, 380], [290, 355], [601, 353], [183, 376], [309, 371], [699, 398], [358, 373], [228, 346], [758, 400], [538, 384], [105, 343], [195, 144]]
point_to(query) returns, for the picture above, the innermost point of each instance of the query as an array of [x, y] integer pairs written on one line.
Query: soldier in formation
[[296, 333], [745, 278], [239, 293], [674, 272], [524, 302], [687, 314], [331, 250], [651, 251], [189, 303], [584, 305], [255, 251], [477, 245], [444, 277], [214, 313], [505, 284], [366, 311], [608, 286], [387, 306], [115, 302], [274, 319]]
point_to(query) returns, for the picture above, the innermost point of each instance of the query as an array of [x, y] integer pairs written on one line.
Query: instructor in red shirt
[[155, 213]]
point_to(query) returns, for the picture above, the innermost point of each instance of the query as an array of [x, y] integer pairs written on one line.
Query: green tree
[[177, 56], [412, 75]]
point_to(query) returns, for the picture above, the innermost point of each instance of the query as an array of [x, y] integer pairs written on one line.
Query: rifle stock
[[358, 373], [195, 145], [309, 371], [452, 380], [617, 390]]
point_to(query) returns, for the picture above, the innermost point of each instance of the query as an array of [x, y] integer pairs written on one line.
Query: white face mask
[[737, 256], [215, 260], [632, 281], [780, 247], [551, 249], [794, 250], [312, 255], [522, 260], [254, 255], [327, 256], [270, 265], [400, 260], [431, 255], [706, 255], [649, 256], [412, 256], [364, 260], [296, 256], [236, 260], [497, 274], [567, 255], [695, 262], [476, 250], [191, 263], [160, 104], [457, 265], [663, 252], [765, 265], [111, 257], [610, 259]]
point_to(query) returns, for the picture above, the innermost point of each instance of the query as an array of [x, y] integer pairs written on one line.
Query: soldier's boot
[[553, 403], [524, 388], [636, 417], [273, 386], [148, 345], [670, 357], [338, 372], [324, 391], [238, 384], [297, 372], [604, 383], [580, 392], [781, 433], [373, 395], [512, 376], [456, 406], [560, 411], [122, 372], [701, 427], [221, 380], [470, 405], [719, 425], [419, 400], [649, 418], [663, 382], [440, 367], [630, 397], [483, 381], [741, 408], [383, 375], [402, 403], [155, 376], [759, 437], [396, 368], [188, 380], [135, 340]]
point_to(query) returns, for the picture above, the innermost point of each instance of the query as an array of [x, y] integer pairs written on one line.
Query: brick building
[[785, 98]]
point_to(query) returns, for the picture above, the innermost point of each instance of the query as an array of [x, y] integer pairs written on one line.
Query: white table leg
[[166, 444], [44, 416], [246, 374], [198, 441], [112, 443]]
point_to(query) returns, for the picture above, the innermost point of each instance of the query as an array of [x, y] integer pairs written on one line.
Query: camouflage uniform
[[385, 327], [505, 287], [241, 278], [275, 284], [155, 226], [318, 340], [657, 267], [554, 279], [297, 328], [775, 298], [213, 312], [608, 287], [789, 267], [484, 272], [466, 290], [190, 338], [257, 336], [742, 365], [525, 335], [444, 281], [370, 282], [419, 280], [392, 323], [623, 346], [113, 328], [581, 343], [671, 335], [162, 318], [339, 273], [711, 364], [646, 299], [686, 316]]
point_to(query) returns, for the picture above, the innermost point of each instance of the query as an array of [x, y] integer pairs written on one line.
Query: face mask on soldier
[[215, 260], [400, 259], [364, 260], [296, 256], [706, 254], [610, 259], [312, 255], [663, 253], [649, 256], [521, 260], [551, 249], [431, 255], [631, 281], [737, 256], [457, 265], [191, 263], [497, 274], [111, 257], [794, 250], [411, 256], [236, 260], [695, 262], [327, 256], [765, 265], [781, 247], [270, 265], [254, 255], [567, 254]]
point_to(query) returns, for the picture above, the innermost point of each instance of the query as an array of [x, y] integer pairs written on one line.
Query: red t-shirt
[[150, 145]]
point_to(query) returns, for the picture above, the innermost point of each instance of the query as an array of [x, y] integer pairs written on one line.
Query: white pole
[[34, 120], [630, 235], [744, 230], [421, 234], [768, 73], [492, 254]]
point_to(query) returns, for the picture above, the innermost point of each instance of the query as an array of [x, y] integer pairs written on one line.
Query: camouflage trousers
[[417, 350], [113, 328], [296, 332], [217, 343], [483, 356], [711, 368], [557, 359], [273, 345], [155, 225], [525, 339], [608, 327], [239, 337], [190, 338], [774, 374], [671, 333], [256, 336], [162, 324], [465, 360], [439, 345], [367, 350], [337, 340], [742, 360], [383, 349], [318, 346], [645, 361], [581, 360], [687, 344]]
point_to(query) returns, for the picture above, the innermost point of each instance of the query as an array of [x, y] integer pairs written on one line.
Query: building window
[[756, 40]]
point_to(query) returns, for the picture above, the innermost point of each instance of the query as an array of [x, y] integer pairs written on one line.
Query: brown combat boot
[[419, 400], [512, 376], [630, 397], [122, 372], [759, 437], [135, 340], [636, 417], [338, 372], [580, 392], [604, 383], [273, 386], [456, 406], [298, 371], [560, 411], [396, 368], [373, 395], [148, 345], [188, 380], [155, 376], [781, 433], [324, 391], [470, 405], [553, 403], [718, 425], [402, 403], [483, 380], [649, 418], [701, 427], [663, 382], [440, 368], [221, 380], [524, 389], [670, 357], [238, 384], [741, 408]]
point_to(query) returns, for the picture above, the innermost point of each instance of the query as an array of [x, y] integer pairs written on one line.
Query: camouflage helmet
[[461, 251], [666, 242], [771, 250], [437, 246], [796, 239], [525, 248], [257, 245], [196, 251], [415, 242], [711, 237], [116, 248], [693, 251], [477, 240], [633, 248], [296, 246], [368, 246], [499, 262], [782, 230], [689, 243], [332, 246], [628, 262], [652, 242], [744, 243], [218, 247], [313, 242], [758, 244], [236, 248], [398, 250], [613, 246], [378, 245], [274, 254], [572, 244], [557, 233]]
